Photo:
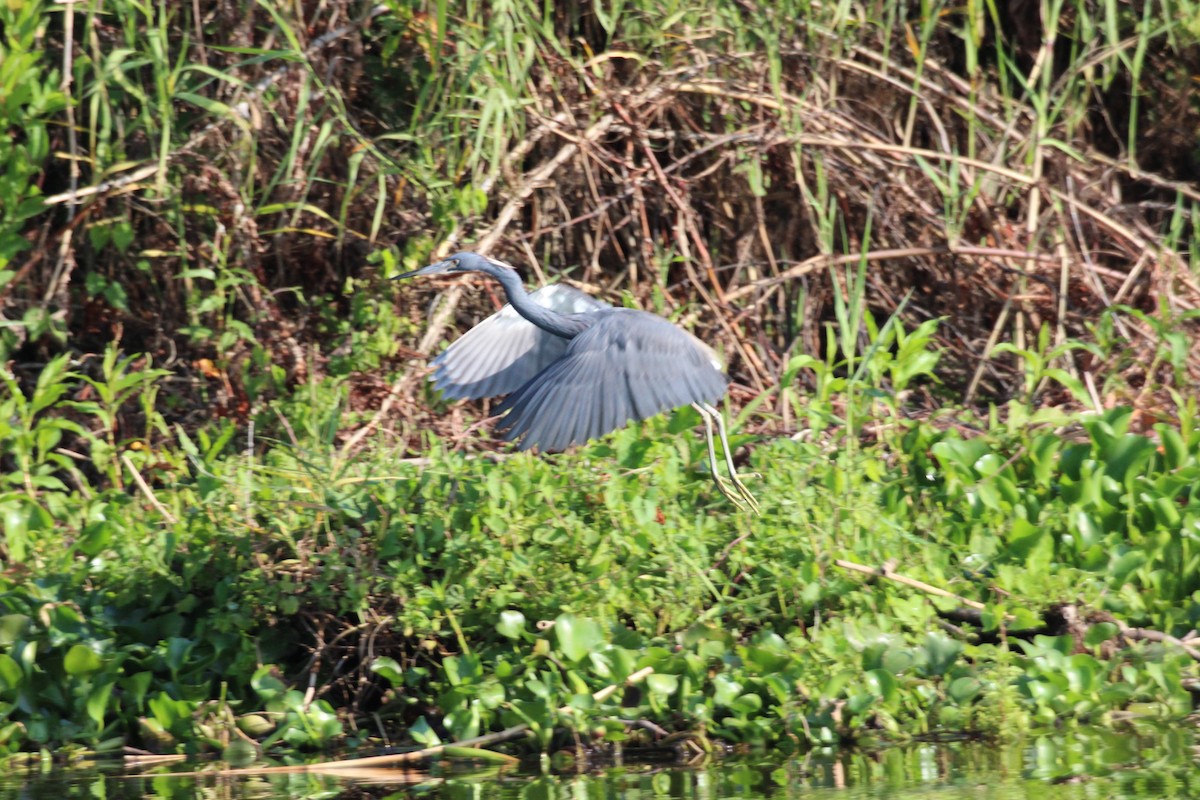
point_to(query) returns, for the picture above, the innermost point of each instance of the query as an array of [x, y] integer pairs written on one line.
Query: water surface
[[1085, 765]]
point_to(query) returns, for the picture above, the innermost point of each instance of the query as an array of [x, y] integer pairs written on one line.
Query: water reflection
[[1085, 766]]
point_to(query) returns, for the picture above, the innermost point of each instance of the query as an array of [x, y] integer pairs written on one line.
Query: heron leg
[[742, 491], [712, 454], [712, 458], [741, 496]]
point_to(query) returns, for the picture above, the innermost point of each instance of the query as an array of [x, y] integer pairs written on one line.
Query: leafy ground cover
[[296, 596], [949, 252]]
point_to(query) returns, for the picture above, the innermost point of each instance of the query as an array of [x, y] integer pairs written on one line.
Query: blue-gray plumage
[[575, 368]]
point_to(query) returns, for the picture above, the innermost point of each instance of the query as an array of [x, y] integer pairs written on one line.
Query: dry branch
[[886, 572]]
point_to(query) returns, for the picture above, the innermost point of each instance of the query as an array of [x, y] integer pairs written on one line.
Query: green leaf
[[662, 684], [81, 661], [1121, 566], [511, 624], [239, 753], [577, 636], [388, 668], [940, 652], [478, 754], [463, 722], [422, 733], [265, 684], [1099, 633], [214, 107], [491, 695], [964, 689], [462, 670], [883, 684], [746, 704], [11, 675], [12, 628], [725, 689], [97, 703], [1126, 456], [1031, 544]]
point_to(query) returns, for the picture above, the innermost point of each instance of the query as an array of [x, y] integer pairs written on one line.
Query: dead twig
[[146, 490], [886, 572]]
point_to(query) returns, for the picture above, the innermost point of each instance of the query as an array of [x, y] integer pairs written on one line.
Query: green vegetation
[[174, 610], [232, 512]]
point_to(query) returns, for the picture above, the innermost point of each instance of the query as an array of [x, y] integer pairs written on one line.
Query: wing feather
[[627, 365], [501, 354]]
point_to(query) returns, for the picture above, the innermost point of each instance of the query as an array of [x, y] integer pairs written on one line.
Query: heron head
[[459, 262]]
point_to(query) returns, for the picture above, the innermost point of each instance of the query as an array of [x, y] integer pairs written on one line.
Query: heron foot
[[736, 492]]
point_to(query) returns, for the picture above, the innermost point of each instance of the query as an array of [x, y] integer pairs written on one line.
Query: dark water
[[1087, 766]]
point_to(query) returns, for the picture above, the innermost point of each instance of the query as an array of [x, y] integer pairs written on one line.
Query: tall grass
[[238, 174]]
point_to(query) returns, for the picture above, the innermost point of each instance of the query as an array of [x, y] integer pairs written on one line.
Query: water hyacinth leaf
[[746, 704], [266, 684], [463, 669], [1174, 449], [422, 733], [81, 661], [1025, 618], [601, 665], [1124, 564], [463, 722], [1062, 645], [577, 683], [577, 636], [958, 456], [97, 703], [1166, 512], [255, 725], [491, 695], [662, 684], [1088, 531], [318, 725], [12, 628], [1127, 456], [835, 685], [624, 662], [511, 624], [767, 654], [940, 653], [861, 701], [1030, 543], [964, 689], [725, 689], [1099, 633], [582, 702], [897, 660], [1083, 672], [239, 753], [882, 684], [11, 675], [169, 712], [388, 669]]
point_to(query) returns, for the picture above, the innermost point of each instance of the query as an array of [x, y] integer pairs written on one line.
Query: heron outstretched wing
[[501, 354], [628, 365]]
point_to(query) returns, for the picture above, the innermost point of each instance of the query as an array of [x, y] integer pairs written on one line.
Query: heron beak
[[432, 269]]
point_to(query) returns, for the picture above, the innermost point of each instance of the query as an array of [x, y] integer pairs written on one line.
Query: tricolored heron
[[575, 368]]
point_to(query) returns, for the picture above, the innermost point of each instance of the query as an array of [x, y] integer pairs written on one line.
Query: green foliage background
[[195, 214]]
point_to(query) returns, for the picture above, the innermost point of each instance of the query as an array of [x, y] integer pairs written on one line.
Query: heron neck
[[550, 321]]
